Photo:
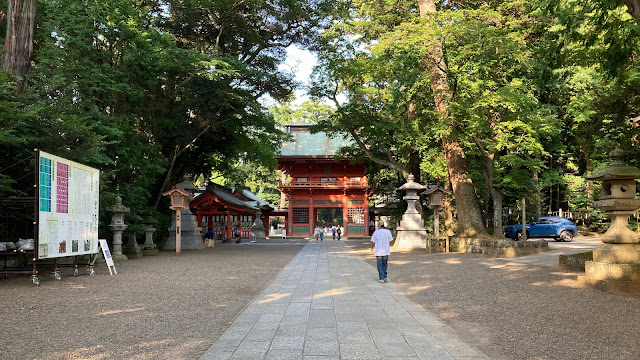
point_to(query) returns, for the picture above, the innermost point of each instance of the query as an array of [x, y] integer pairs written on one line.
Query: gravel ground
[[161, 307], [515, 312], [169, 307]]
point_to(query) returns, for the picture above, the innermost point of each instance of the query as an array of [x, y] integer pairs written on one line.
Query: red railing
[[323, 183]]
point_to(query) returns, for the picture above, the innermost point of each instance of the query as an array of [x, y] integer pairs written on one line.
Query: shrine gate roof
[[225, 195], [305, 143]]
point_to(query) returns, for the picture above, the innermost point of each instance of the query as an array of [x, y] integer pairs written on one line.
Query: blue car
[[559, 228]]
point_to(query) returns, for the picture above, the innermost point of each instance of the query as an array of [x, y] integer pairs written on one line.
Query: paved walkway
[[328, 304]]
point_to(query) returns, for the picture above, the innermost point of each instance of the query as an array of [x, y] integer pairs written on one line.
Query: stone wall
[[504, 248]]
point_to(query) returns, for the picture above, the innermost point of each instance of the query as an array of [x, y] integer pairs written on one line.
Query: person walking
[[339, 231], [236, 233], [316, 232], [321, 234], [380, 242], [333, 231]]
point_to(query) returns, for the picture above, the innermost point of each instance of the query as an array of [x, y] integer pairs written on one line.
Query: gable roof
[[304, 143]]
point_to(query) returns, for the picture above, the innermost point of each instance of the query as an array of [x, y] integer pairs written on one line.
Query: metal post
[[524, 221]]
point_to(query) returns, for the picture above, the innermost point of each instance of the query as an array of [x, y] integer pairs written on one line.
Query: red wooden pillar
[[210, 221], [228, 234], [311, 213], [366, 214], [345, 209], [288, 224]]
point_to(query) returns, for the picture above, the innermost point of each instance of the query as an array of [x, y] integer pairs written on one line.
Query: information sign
[[68, 194]]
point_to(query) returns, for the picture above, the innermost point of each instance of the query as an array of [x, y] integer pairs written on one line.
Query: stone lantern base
[[615, 268]]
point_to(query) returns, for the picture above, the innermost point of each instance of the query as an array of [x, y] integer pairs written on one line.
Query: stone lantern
[[117, 226], [258, 226], [616, 263], [436, 201], [149, 248], [411, 234]]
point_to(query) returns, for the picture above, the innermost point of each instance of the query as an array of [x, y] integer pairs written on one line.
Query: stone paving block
[[294, 319], [433, 354], [288, 342], [363, 351], [259, 335], [321, 347], [291, 330], [322, 319], [275, 308], [236, 330], [327, 334], [427, 319], [271, 317], [263, 326], [217, 355], [248, 318], [351, 317], [284, 354], [383, 335], [392, 348], [422, 341], [251, 349], [460, 349]]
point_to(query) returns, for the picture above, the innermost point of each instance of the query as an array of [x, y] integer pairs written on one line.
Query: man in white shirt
[[316, 233], [380, 242]]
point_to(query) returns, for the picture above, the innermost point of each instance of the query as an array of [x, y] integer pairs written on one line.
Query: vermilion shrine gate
[[321, 191]]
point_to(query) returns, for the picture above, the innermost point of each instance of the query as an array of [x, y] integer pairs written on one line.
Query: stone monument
[[411, 234], [149, 248], [191, 238], [616, 263], [117, 226]]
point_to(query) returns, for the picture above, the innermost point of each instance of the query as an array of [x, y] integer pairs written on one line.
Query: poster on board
[[68, 195]]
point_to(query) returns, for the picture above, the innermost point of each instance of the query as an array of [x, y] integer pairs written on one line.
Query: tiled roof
[[306, 144]]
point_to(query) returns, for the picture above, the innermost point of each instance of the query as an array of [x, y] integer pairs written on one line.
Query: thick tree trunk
[[496, 198], [469, 219], [633, 8], [18, 44]]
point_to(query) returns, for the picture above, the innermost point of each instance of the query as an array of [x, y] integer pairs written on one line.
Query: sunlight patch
[[113, 312], [273, 297]]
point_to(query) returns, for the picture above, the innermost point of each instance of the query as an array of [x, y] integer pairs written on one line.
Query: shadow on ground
[[516, 312]]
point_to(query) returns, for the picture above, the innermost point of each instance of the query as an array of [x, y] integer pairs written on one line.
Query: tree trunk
[[449, 222], [633, 8], [496, 198], [469, 218], [18, 44]]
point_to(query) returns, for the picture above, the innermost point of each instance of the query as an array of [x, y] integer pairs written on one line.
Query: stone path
[[327, 304]]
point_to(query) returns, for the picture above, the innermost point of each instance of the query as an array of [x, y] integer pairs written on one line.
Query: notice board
[[67, 202]]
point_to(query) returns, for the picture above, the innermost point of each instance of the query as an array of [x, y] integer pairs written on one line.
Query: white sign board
[[105, 251], [68, 194]]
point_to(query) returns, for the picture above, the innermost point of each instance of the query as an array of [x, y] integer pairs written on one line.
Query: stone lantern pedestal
[[258, 227], [132, 249], [616, 263], [117, 226], [149, 248], [411, 234]]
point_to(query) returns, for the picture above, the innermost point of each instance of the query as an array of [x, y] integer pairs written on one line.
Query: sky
[[300, 62]]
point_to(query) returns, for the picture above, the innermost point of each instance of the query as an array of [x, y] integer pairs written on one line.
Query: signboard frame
[[66, 207]]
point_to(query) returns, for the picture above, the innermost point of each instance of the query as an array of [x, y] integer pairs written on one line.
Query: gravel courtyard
[[516, 312], [161, 307], [169, 307]]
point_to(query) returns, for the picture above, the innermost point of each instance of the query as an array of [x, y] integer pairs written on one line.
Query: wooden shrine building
[[321, 190], [220, 208]]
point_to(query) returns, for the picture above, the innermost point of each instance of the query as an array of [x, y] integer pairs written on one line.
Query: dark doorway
[[329, 217]]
